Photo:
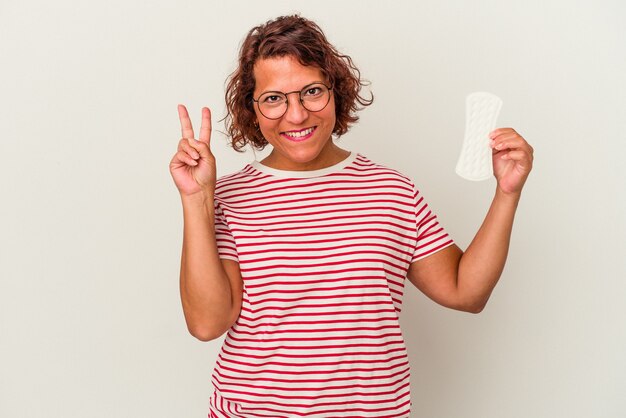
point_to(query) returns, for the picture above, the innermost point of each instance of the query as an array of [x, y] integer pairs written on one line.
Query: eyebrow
[[282, 92]]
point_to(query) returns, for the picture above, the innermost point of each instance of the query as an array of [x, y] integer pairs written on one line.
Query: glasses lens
[[273, 105], [315, 97]]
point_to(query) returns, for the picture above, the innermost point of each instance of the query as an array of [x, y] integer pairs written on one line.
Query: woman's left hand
[[512, 159]]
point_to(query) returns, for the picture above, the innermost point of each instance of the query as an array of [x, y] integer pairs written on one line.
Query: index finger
[[205, 126], [185, 122], [500, 131]]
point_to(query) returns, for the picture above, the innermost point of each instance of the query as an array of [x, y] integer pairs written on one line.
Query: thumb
[[201, 147]]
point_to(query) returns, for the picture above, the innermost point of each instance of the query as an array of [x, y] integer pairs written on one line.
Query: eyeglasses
[[314, 97]]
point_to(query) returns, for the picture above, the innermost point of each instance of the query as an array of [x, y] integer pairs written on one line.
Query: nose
[[296, 113]]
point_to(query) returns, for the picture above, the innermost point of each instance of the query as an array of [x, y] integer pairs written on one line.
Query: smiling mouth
[[299, 135]]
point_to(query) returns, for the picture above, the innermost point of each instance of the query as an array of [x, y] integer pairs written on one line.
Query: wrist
[[511, 198], [201, 199]]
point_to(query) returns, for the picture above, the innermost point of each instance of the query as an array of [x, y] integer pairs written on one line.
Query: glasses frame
[[300, 92]]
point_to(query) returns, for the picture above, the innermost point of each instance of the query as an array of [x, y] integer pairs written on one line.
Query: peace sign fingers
[[193, 166]]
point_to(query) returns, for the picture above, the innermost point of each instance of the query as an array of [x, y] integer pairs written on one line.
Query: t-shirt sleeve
[[431, 237], [226, 247]]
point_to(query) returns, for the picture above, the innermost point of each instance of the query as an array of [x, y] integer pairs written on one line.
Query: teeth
[[299, 134]]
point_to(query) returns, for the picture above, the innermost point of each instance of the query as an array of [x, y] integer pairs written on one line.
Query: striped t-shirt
[[323, 256]]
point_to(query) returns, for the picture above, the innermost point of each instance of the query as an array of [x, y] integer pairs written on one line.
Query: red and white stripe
[[323, 256]]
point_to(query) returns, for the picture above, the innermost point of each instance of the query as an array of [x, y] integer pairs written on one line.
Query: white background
[[90, 221]]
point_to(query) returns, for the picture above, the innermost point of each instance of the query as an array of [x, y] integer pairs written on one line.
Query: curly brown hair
[[304, 40]]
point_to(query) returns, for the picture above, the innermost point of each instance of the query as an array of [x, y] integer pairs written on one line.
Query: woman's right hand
[[193, 166]]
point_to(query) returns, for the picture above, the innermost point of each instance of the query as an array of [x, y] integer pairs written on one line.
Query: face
[[301, 139]]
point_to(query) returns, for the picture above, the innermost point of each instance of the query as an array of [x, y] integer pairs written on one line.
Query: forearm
[[482, 263], [205, 289]]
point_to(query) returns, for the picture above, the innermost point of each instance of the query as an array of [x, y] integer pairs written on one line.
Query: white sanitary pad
[[481, 113]]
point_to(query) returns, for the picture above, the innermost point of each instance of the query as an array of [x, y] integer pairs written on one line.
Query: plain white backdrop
[[90, 221]]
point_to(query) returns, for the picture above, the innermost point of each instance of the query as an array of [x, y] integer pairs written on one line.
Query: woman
[[302, 257]]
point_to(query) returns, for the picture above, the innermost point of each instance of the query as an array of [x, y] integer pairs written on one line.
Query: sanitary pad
[[481, 113]]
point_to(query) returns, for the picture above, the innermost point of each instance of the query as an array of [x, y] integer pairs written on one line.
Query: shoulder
[[236, 182], [368, 167]]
